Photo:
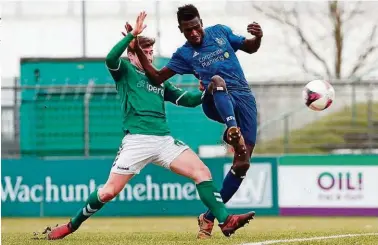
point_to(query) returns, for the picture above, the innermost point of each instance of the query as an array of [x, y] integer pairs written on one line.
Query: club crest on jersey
[[220, 41], [141, 84]]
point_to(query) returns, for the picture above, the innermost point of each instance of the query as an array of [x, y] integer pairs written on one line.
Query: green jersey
[[142, 103]]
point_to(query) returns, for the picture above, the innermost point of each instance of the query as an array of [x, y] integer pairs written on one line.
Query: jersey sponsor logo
[[213, 57], [155, 90], [150, 88]]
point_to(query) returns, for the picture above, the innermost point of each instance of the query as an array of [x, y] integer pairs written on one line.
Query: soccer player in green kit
[[147, 138]]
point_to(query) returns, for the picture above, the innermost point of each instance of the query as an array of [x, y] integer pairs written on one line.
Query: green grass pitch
[[112, 231]]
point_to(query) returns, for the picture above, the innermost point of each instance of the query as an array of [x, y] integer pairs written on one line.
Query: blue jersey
[[215, 56]]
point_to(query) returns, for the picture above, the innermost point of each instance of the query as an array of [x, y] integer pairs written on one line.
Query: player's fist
[[255, 29], [128, 29], [139, 25]]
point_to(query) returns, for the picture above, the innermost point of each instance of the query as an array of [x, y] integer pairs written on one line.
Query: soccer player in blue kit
[[209, 54]]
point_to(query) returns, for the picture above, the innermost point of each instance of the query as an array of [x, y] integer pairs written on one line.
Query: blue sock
[[231, 184], [225, 108]]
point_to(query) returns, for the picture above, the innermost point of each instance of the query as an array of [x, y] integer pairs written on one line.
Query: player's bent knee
[[218, 83], [202, 174]]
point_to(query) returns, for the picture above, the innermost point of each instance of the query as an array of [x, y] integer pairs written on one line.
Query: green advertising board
[[33, 187]]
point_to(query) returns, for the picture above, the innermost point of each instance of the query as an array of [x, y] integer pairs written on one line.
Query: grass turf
[[183, 231]]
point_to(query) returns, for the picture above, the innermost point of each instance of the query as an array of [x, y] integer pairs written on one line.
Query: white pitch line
[[310, 239]]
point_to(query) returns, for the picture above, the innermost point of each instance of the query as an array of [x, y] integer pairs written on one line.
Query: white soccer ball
[[318, 95]]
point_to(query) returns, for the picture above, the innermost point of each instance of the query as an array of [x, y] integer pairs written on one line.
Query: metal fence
[[350, 125]]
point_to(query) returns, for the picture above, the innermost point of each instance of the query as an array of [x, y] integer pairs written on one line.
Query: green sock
[[211, 197], [92, 205]]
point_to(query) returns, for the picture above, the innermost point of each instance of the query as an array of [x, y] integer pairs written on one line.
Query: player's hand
[[139, 25], [255, 30], [129, 29], [201, 86], [209, 88]]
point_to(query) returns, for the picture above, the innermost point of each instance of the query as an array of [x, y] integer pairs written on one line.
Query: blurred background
[[58, 101], [53, 56]]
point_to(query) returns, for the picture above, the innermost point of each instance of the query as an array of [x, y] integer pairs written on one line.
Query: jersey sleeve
[[236, 41], [181, 97], [120, 70], [115, 64], [179, 65]]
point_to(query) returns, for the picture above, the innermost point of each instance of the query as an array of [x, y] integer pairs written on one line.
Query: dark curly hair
[[187, 12]]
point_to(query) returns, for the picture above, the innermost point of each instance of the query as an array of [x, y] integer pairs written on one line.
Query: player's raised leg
[[225, 108], [96, 200], [247, 117], [189, 165]]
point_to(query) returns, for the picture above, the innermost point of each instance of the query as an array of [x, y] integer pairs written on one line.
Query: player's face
[[149, 52], [192, 30]]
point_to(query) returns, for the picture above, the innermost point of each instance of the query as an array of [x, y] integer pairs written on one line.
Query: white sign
[[256, 189], [328, 186]]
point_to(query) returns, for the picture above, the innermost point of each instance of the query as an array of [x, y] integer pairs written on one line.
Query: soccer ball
[[318, 95]]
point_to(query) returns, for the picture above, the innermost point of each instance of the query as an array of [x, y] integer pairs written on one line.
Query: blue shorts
[[245, 113]]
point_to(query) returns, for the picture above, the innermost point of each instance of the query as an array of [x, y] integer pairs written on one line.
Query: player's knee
[[107, 193], [201, 174], [218, 83]]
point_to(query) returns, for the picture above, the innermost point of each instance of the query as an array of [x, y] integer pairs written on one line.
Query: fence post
[[87, 97], [15, 110], [286, 133], [370, 116], [353, 103]]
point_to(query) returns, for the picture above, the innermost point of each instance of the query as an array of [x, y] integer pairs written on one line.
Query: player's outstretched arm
[[190, 99], [113, 59], [251, 45], [181, 97], [157, 77]]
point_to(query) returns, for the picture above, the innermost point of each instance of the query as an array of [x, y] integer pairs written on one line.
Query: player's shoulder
[[184, 50], [126, 61], [129, 69], [217, 28]]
